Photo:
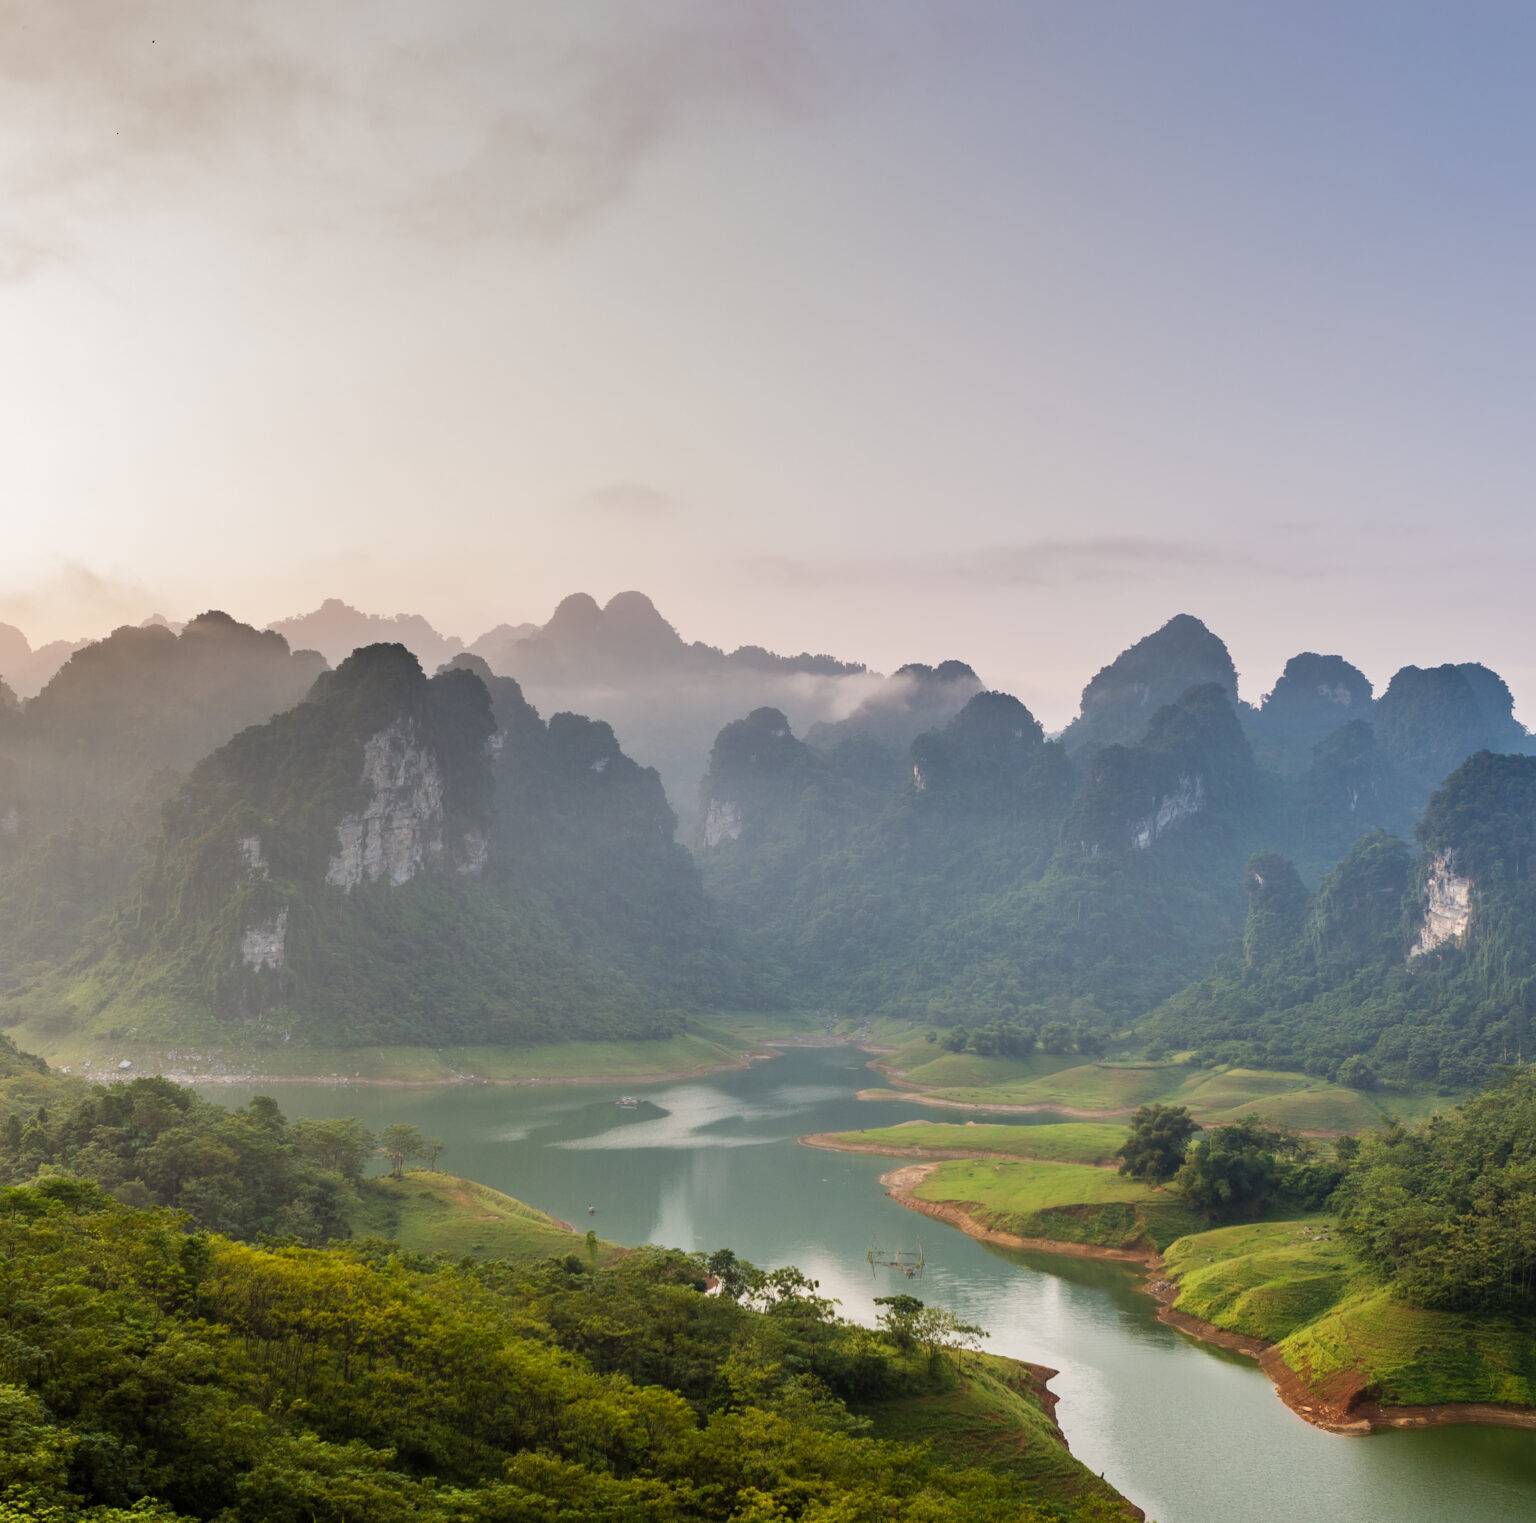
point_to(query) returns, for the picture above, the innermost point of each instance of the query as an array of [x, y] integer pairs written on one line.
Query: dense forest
[[994, 879], [149, 1371], [375, 855], [1360, 981], [403, 858]]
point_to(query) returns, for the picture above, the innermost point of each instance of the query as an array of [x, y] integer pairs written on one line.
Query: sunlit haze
[[901, 331]]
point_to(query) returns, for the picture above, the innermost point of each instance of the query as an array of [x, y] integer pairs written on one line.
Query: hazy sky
[[905, 331]]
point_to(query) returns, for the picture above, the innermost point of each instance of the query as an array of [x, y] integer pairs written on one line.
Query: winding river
[[1192, 1434]]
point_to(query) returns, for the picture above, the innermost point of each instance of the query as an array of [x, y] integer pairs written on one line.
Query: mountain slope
[[1403, 965], [86, 764], [396, 860], [990, 876]]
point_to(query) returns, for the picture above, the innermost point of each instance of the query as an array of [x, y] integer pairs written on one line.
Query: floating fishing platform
[[905, 1261]]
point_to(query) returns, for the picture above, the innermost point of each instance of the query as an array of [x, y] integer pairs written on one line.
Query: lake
[[1191, 1434]]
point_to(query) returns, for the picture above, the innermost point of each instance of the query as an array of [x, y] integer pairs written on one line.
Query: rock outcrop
[[1447, 907], [400, 829]]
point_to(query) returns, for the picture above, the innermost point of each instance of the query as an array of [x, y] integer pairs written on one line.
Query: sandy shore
[[1339, 1405]]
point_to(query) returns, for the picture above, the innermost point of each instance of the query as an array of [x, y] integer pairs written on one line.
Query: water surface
[[1192, 1434]]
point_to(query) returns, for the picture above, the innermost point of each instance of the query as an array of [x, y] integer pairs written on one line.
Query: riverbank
[[718, 1046], [1326, 1376], [1000, 1413], [1069, 1142], [1105, 1090], [426, 1211]]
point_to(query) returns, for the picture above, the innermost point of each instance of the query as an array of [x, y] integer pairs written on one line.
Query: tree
[[1233, 1171], [343, 1144], [1356, 1073], [401, 1143], [1158, 1142], [431, 1151], [911, 1324], [734, 1275]]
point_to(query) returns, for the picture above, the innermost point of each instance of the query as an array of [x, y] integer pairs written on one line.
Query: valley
[[1187, 1430]]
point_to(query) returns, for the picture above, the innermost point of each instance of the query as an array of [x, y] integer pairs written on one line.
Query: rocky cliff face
[[722, 822], [1193, 763], [262, 946], [408, 859], [1447, 907], [1183, 802], [757, 769], [399, 831]]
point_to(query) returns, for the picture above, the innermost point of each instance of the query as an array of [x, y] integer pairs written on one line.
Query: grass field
[[1213, 1095], [1064, 1202], [1091, 1142], [429, 1212], [992, 1416], [1297, 1284]]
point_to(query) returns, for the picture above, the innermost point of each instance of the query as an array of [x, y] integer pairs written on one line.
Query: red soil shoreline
[[1339, 1405]]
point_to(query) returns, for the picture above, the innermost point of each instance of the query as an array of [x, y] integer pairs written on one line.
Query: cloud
[[74, 601], [458, 120], [1040, 563], [630, 501]]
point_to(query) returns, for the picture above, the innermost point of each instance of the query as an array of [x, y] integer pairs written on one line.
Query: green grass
[[1060, 1142], [1110, 1088], [1064, 1202], [991, 1415], [1298, 1284], [1265, 1279], [1213, 1095], [966, 1070], [429, 1212]]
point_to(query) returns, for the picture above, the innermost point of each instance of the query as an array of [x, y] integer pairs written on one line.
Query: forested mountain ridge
[[1411, 966], [991, 874], [86, 764], [985, 877], [398, 858]]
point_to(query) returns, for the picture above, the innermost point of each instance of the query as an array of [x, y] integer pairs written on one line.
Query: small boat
[[627, 1102]]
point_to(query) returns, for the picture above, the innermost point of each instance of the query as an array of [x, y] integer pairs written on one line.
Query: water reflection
[[1193, 1434]]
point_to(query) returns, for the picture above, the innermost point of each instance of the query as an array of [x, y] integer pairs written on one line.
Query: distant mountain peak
[[336, 629], [1157, 670]]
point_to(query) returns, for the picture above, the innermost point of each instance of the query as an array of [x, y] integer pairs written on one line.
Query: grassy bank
[[1091, 1142], [720, 1042], [1344, 1351], [430, 1212], [997, 1413], [1106, 1090], [1298, 1285], [1070, 1203]]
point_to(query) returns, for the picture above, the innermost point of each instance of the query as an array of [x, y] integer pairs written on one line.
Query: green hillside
[[430, 1212]]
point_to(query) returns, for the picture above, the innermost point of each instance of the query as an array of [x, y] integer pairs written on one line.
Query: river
[[1191, 1434]]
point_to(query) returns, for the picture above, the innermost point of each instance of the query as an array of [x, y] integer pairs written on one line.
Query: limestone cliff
[[1447, 907]]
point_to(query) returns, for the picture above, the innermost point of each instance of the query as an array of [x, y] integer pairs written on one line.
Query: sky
[[900, 330]]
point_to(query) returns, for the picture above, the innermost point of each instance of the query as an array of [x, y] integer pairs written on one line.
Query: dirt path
[[1339, 1405]]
